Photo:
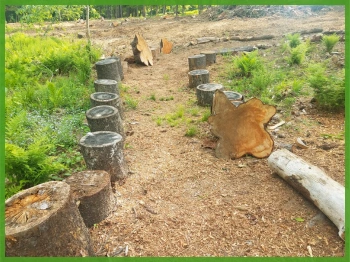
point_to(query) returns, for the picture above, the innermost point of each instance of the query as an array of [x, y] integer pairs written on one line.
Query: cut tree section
[[197, 62], [210, 57], [142, 52], [44, 221], [93, 194], [108, 69], [108, 99], [165, 46], [325, 193], [198, 77], [106, 85], [241, 130]]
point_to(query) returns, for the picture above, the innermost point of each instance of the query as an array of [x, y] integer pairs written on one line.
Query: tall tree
[[87, 22]]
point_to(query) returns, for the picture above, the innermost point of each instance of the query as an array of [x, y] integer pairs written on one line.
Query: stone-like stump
[[198, 77], [234, 97], [109, 99], [106, 85], [210, 57], [197, 62], [92, 191], [205, 93], [44, 221], [108, 69], [105, 118], [103, 150]]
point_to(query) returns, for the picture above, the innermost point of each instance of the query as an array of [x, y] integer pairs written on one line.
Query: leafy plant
[[191, 131], [293, 40], [329, 41], [297, 54], [131, 103], [247, 62]]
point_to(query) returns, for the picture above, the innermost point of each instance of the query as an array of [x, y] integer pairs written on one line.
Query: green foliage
[[131, 103], [152, 97], [206, 115], [297, 54], [247, 63], [166, 98], [329, 41], [293, 40], [191, 131]]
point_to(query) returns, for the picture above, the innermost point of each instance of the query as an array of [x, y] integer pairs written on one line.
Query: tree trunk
[[120, 67], [205, 93], [164, 9], [88, 22], [44, 221], [176, 10], [105, 118], [144, 11], [93, 194], [108, 99], [108, 69], [106, 85], [103, 150], [197, 62], [198, 77], [325, 193], [210, 57]]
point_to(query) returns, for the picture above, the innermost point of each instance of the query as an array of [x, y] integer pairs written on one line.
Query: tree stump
[[197, 62], [210, 57], [234, 97], [205, 93], [325, 193], [141, 51], [92, 191], [44, 221], [103, 150], [109, 99], [108, 69], [198, 77], [120, 66], [105, 118]]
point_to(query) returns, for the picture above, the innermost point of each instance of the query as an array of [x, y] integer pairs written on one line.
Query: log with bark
[[241, 130], [252, 38], [197, 62], [165, 46], [105, 118], [142, 52], [205, 92], [44, 221], [233, 50], [103, 150], [93, 194], [210, 57], [198, 77], [108, 69], [106, 85], [120, 67], [314, 184], [109, 99]]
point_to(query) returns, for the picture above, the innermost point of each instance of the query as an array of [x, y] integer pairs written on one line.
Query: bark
[[119, 66], [106, 85], [105, 118], [210, 57], [103, 150], [44, 221], [205, 93], [108, 69], [108, 99], [252, 38], [141, 51], [198, 77], [197, 62], [325, 193], [93, 194]]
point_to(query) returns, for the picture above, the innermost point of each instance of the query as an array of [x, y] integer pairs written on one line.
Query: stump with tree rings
[[108, 69], [234, 97], [105, 118], [197, 62], [205, 93], [210, 57], [103, 150], [44, 221], [92, 191], [106, 85], [109, 99], [198, 77]]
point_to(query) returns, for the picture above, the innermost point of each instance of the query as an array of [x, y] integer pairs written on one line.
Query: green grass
[[131, 103]]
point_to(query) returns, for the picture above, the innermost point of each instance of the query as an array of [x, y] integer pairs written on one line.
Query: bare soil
[[180, 200]]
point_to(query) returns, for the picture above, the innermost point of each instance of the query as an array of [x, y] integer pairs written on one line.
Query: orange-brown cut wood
[[141, 50], [241, 130], [165, 46]]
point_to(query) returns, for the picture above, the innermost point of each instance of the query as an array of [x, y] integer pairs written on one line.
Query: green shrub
[[191, 131], [329, 41], [247, 62], [131, 103], [293, 40], [297, 54]]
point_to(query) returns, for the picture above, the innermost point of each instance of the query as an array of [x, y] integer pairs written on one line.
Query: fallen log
[[228, 51], [203, 40], [252, 38], [142, 52], [44, 221], [325, 193]]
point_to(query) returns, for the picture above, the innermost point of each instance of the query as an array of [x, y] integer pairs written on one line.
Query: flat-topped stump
[[235, 97], [103, 150], [197, 62], [44, 221], [106, 85], [205, 93], [108, 99], [108, 69], [210, 57], [198, 77]]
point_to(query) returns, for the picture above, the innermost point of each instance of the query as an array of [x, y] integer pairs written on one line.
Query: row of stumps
[[52, 219], [199, 78]]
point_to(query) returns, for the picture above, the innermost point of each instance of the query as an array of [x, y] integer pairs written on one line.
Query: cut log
[[106, 85], [93, 194], [108, 69], [205, 93], [103, 150], [325, 193], [234, 97], [207, 39], [252, 38], [141, 51], [120, 67], [210, 57], [241, 130], [233, 50], [198, 77], [105, 118], [108, 99], [165, 46], [44, 221], [197, 62]]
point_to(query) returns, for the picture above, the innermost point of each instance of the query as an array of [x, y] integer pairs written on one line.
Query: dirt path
[[180, 200]]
